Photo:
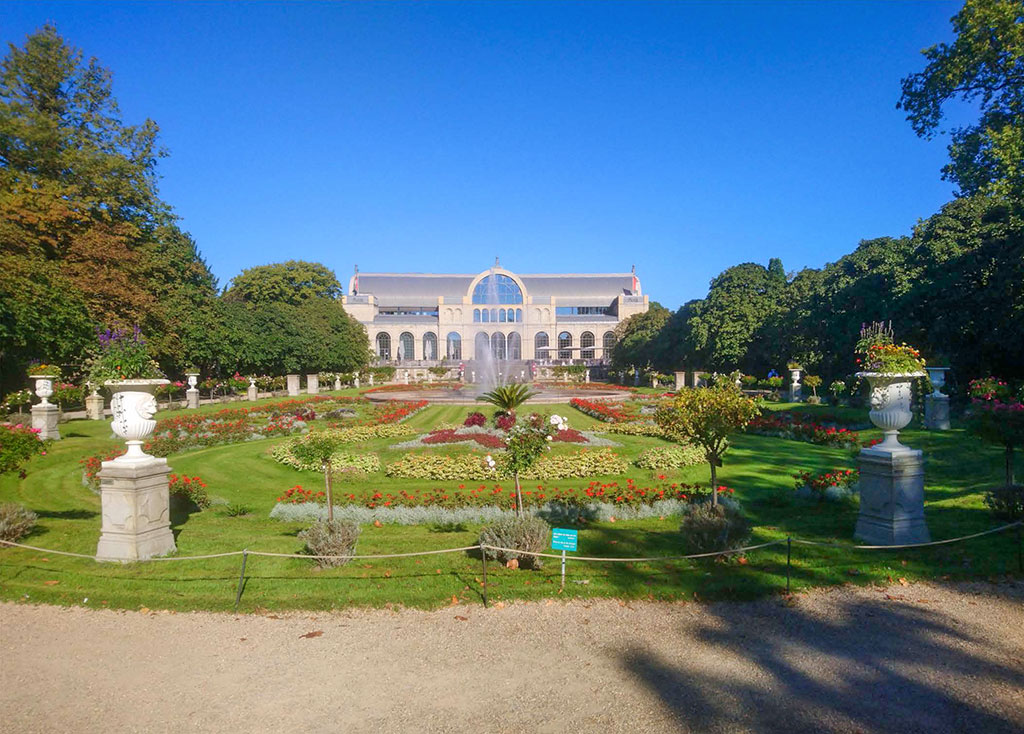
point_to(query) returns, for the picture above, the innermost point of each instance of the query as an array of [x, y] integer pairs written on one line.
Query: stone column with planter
[[312, 384], [93, 403], [252, 392], [936, 405], [796, 390], [355, 382], [45, 415], [293, 385], [134, 491], [192, 393], [680, 380], [891, 474], [337, 383]]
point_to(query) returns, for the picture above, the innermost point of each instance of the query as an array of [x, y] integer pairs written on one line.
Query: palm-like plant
[[508, 397]]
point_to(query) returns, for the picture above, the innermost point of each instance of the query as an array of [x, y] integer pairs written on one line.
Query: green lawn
[[958, 469]]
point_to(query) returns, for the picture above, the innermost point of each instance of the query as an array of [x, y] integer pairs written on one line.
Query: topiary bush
[[708, 528], [525, 533], [331, 538], [15, 521]]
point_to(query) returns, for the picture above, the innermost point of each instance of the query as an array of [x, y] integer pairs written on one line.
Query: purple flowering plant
[[122, 355]]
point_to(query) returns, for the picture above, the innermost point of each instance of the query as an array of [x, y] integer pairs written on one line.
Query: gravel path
[[918, 658]]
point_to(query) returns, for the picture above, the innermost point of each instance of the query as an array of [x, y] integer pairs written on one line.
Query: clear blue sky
[[680, 137]]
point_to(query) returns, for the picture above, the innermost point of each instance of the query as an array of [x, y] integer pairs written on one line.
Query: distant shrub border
[[794, 428]]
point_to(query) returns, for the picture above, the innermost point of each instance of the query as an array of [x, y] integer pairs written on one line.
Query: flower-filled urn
[[891, 395], [133, 405], [44, 388]]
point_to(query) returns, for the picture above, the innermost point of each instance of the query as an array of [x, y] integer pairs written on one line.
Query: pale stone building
[[426, 317]]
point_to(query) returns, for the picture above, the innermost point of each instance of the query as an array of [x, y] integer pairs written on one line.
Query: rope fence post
[[483, 565], [241, 579], [789, 555], [1020, 548]]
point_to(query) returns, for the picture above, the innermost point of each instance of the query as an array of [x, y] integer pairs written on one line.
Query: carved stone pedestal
[[192, 398], [312, 384], [891, 497], [251, 392], [936, 412], [680, 380], [293, 385], [45, 417], [94, 407], [136, 510]]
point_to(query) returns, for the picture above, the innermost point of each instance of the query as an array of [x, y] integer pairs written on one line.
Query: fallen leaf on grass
[[378, 524], [144, 610], [512, 563], [903, 582], [50, 583], [499, 605], [743, 560], [314, 633], [387, 574], [455, 600]]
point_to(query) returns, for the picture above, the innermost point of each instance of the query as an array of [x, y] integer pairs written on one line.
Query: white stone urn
[[938, 377], [44, 387], [252, 382], [133, 405], [891, 394], [193, 379]]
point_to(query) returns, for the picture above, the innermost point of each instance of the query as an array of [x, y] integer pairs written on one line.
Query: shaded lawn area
[[958, 470]]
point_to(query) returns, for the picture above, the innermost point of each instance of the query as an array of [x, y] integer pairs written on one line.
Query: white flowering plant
[[525, 443]]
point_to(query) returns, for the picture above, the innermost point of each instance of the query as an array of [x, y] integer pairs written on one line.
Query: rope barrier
[[910, 545], [649, 559]]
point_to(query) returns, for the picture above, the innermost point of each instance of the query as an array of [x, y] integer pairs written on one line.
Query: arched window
[[565, 345], [497, 289], [498, 345], [515, 346], [486, 316], [454, 345], [609, 342], [586, 345], [502, 315], [384, 346], [476, 315], [429, 345], [494, 315], [540, 345], [519, 315], [481, 346], [406, 347]]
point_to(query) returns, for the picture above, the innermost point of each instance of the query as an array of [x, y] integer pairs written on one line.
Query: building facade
[[431, 318]]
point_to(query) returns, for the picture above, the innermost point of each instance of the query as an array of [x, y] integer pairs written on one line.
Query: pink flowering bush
[[18, 444]]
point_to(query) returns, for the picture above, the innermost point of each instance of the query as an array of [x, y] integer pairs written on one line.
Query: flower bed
[[18, 443], [628, 494], [783, 425], [446, 436], [341, 461], [607, 412], [190, 489], [441, 467], [833, 485], [671, 457], [635, 428]]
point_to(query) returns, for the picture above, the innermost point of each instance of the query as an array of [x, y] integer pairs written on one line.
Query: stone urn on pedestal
[[45, 415], [796, 390], [93, 403], [252, 391], [192, 393], [133, 487], [936, 405], [891, 474]]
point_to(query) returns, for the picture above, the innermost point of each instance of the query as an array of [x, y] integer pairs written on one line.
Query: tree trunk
[[714, 480], [1009, 465], [519, 496], [330, 495]]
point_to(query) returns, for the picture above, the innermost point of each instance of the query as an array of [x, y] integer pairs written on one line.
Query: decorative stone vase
[[44, 388], [133, 405], [938, 377], [796, 390], [890, 405], [193, 379]]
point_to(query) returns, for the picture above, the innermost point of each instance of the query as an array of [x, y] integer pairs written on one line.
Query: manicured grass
[[959, 468]]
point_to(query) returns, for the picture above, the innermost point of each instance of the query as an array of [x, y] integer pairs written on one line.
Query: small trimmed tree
[[707, 418], [524, 445], [813, 382], [996, 416], [318, 447]]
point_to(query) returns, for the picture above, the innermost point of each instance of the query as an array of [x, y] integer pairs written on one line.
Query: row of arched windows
[[501, 346], [497, 315]]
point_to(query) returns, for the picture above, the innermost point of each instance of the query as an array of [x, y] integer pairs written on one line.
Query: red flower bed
[[476, 418], [298, 496], [783, 425], [448, 435], [609, 413], [569, 435]]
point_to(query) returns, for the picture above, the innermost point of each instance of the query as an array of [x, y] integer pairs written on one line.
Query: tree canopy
[[292, 282], [985, 66]]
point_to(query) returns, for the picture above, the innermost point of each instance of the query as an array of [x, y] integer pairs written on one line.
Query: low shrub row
[[670, 457], [341, 461]]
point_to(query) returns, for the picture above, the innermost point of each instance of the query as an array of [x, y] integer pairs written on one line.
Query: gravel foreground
[[914, 658]]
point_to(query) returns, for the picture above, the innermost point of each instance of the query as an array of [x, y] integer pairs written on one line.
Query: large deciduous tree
[[984, 66], [292, 282]]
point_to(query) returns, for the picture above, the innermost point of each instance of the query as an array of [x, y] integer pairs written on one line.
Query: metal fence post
[[789, 554], [1020, 549], [483, 564], [241, 579]]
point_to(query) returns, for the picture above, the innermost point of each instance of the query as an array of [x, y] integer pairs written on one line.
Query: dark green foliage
[[331, 538], [1006, 502], [638, 339], [525, 533], [707, 528], [293, 282], [508, 397]]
